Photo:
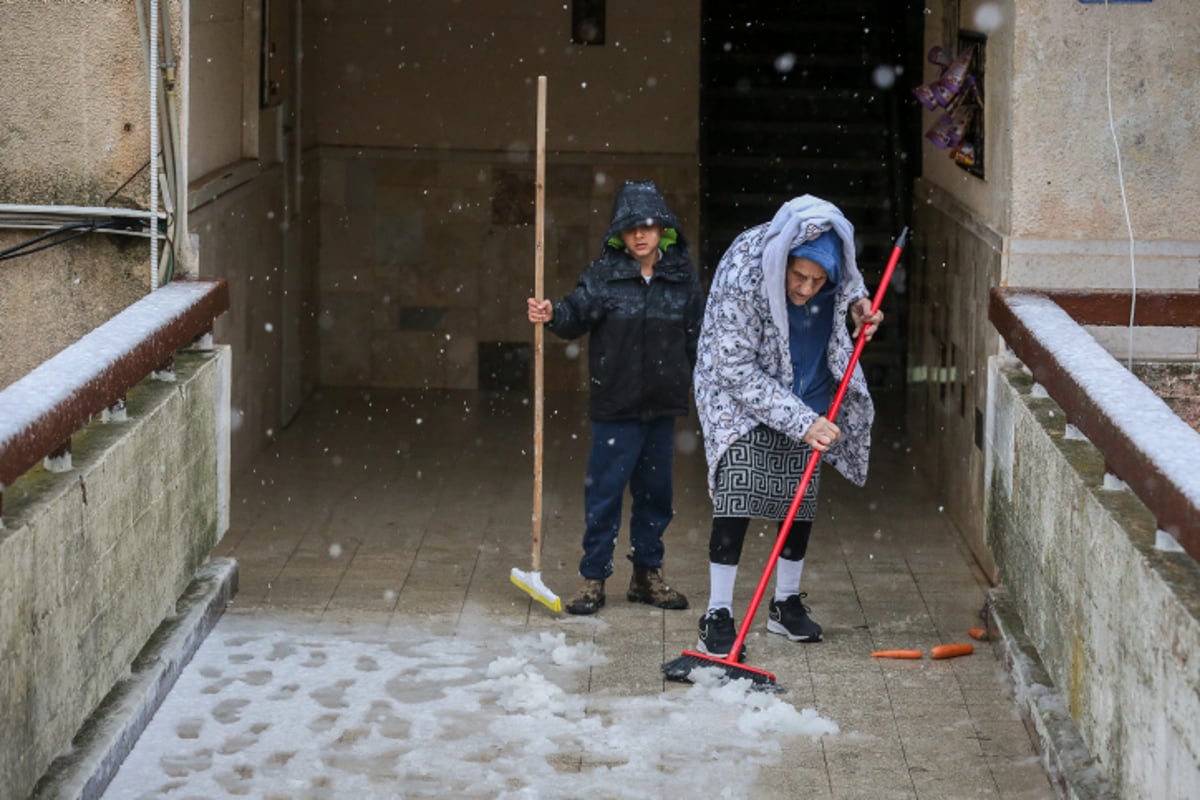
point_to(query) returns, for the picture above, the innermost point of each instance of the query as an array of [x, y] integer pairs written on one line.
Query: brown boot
[[648, 586], [589, 599]]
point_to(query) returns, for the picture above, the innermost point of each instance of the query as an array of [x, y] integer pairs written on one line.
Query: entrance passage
[[813, 98]]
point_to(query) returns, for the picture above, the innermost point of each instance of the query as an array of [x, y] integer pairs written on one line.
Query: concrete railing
[[94, 559], [1100, 621], [1144, 442], [39, 412]]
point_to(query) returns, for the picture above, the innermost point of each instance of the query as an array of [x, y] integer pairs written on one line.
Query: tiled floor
[[389, 507]]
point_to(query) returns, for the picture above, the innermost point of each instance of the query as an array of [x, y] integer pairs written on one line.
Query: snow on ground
[[272, 710]]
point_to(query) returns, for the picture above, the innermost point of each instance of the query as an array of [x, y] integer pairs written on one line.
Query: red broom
[[680, 669]]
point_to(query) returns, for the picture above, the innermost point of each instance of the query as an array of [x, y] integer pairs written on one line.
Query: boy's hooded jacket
[[744, 369], [643, 335]]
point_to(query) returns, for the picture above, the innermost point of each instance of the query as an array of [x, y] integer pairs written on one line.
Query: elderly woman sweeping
[[773, 347]]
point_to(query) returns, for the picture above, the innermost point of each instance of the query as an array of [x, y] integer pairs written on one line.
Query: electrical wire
[[128, 181], [80, 228], [93, 225], [1121, 180], [77, 229]]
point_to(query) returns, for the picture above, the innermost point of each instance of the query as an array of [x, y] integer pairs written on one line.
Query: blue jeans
[[637, 455]]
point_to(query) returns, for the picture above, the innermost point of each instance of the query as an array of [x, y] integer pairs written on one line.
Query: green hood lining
[[669, 238]]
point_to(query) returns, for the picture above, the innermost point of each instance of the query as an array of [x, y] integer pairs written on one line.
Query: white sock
[[721, 578], [787, 578]]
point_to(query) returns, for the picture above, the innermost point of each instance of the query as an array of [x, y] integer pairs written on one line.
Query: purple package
[[942, 132], [925, 96]]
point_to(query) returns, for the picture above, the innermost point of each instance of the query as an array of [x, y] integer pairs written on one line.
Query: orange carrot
[[980, 634], [951, 650], [897, 654]]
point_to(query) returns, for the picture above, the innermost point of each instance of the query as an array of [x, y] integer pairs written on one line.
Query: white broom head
[[531, 583]]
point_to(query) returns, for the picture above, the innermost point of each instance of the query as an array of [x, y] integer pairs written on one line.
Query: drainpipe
[[153, 78]]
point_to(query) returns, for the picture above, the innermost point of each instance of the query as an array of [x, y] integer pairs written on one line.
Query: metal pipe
[[153, 77], [78, 211]]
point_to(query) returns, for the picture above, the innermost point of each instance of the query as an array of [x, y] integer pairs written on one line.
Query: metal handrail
[[40, 411], [1174, 501]]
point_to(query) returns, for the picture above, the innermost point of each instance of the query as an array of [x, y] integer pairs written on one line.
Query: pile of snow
[[273, 710]]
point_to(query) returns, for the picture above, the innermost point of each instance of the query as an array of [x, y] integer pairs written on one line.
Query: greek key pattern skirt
[[758, 476]]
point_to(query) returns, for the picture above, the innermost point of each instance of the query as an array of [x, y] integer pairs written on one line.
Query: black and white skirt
[[758, 476]]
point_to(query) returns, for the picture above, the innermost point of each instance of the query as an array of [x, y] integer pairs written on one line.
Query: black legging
[[728, 534]]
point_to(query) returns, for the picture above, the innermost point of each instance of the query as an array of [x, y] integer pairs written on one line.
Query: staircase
[[791, 105]]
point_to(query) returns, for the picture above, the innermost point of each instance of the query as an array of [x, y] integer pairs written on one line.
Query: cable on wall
[[1121, 180]]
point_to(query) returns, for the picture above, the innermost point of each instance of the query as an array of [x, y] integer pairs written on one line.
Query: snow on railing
[[1144, 443], [40, 412]]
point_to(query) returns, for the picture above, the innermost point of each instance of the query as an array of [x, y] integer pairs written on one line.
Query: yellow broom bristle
[[531, 584]]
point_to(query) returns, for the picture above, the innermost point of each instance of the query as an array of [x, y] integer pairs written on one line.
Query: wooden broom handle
[[538, 330]]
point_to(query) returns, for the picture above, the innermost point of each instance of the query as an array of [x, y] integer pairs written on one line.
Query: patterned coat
[[743, 373]]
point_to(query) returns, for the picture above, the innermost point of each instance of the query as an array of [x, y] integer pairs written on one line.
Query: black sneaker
[[717, 634], [790, 619]]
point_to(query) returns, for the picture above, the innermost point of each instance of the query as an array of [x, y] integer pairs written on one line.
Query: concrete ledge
[[111, 732], [1074, 771], [1109, 624]]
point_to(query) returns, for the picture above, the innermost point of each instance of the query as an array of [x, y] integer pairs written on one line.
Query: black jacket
[[643, 335]]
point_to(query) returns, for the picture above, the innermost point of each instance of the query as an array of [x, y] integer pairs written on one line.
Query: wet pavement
[[391, 510]]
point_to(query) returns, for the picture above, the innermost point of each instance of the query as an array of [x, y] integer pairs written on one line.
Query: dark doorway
[[813, 98]]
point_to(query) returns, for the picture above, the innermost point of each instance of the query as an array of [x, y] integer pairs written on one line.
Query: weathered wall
[[462, 76], [426, 261], [50, 299], [1069, 224], [74, 128], [955, 261], [95, 558], [246, 200], [1065, 167], [241, 242], [76, 123], [1048, 211], [1051, 163], [222, 75], [425, 114], [1116, 623], [989, 201], [1068, 218]]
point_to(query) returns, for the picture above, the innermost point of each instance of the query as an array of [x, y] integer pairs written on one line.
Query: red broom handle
[[815, 458]]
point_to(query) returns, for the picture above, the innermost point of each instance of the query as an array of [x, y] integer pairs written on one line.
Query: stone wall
[[1114, 622], [243, 240], [955, 261], [426, 261], [95, 558], [424, 118], [74, 105]]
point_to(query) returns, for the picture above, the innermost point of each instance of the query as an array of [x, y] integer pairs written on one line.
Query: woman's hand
[[860, 311], [540, 310], [822, 434]]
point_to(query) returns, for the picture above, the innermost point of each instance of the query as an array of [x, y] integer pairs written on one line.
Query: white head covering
[[797, 221]]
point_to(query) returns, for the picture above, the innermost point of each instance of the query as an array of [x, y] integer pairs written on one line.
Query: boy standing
[[642, 304]]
